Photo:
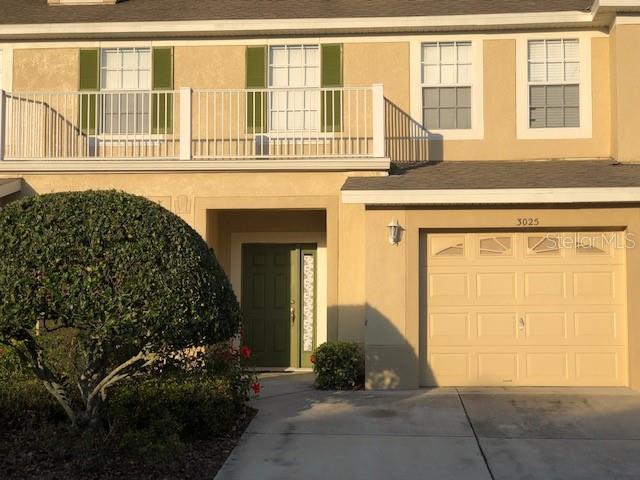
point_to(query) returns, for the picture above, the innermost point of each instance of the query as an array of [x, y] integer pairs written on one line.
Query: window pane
[[554, 51], [130, 80], [464, 97], [432, 75], [279, 77], [537, 96], [312, 79], [448, 74], [537, 118], [447, 97], [296, 77], [555, 96], [572, 72], [278, 56], [447, 118], [537, 72], [431, 97], [464, 52], [111, 59], [111, 81], [537, 51], [555, 73], [572, 95], [430, 54], [555, 117], [145, 59], [464, 74], [144, 80], [130, 59], [447, 53], [295, 56], [311, 54], [431, 119], [572, 117], [571, 50], [464, 118]]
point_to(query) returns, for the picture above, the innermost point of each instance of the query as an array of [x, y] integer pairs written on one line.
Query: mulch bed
[[24, 456]]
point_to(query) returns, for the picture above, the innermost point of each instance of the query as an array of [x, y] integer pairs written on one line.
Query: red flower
[[313, 359], [245, 352], [256, 388]]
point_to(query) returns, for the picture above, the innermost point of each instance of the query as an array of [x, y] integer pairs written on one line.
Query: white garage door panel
[[525, 309]]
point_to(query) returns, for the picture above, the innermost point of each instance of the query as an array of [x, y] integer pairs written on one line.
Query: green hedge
[[339, 366]]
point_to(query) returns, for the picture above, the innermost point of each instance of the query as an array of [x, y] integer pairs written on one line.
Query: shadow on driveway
[[536, 434]]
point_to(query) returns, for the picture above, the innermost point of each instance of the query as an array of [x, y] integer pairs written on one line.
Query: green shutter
[[89, 82], [331, 75], [256, 69], [162, 103]]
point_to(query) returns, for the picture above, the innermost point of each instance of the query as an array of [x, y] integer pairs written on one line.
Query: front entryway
[[279, 303]]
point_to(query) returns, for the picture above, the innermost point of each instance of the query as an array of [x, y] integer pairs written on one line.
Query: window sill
[[571, 133], [455, 134]]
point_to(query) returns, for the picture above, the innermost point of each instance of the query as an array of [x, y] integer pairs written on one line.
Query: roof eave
[[314, 26]]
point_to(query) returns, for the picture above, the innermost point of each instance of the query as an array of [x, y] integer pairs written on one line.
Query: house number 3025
[[528, 222]]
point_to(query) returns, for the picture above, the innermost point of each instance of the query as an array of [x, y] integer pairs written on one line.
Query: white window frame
[[127, 135], [293, 131], [456, 64], [524, 129], [476, 132]]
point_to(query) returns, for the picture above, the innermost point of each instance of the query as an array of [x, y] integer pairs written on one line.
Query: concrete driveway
[[441, 434]]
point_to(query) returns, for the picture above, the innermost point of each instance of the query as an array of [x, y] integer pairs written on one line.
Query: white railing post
[[3, 125], [377, 109], [185, 124]]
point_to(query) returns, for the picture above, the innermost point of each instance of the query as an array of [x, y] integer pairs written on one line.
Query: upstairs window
[[294, 78], [126, 76], [446, 85], [554, 83]]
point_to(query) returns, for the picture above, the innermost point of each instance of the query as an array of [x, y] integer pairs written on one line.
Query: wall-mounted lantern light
[[395, 232]]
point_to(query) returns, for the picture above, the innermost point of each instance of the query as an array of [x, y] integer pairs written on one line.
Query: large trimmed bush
[[96, 287], [339, 366]]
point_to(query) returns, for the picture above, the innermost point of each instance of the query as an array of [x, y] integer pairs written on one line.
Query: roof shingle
[[472, 175], [15, 12]]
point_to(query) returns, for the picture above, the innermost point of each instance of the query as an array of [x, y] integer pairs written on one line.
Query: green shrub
[[114, 282], [10, 366], [198, 406], [339, 366], [25, 402]]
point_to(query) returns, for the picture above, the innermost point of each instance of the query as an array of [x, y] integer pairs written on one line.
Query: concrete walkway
[[440, 434]]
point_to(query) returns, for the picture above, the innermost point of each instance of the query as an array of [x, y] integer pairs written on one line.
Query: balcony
[[190, 128]]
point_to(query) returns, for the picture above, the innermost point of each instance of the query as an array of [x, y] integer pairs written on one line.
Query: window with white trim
[[554, 83], [294, 76], [125, 72], [446, 85]]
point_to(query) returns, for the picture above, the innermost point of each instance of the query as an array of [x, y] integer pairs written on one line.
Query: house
[[454, 184]]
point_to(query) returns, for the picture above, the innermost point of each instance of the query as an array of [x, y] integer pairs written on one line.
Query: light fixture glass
[[395, 231]]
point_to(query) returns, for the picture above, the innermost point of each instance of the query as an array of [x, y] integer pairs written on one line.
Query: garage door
[[535, 309]]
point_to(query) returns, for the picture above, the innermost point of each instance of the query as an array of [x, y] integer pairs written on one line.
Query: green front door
[[274, 304]]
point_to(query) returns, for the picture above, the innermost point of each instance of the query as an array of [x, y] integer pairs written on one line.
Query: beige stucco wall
[[394, 290], [221, 66], [366, 64], [625, 105], [500, 139], [49, 70]]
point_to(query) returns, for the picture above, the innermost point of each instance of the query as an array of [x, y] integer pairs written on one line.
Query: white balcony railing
[[191, 124]]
